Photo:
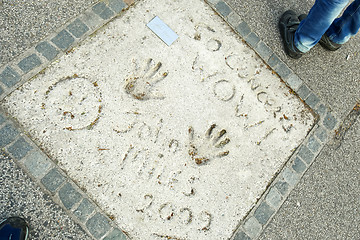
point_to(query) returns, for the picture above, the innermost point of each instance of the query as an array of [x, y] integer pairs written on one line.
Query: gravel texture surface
[[325, 204], [24, 23], [331, 75], [20, 196]]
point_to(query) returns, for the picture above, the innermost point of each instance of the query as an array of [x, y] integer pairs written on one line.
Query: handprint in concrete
[[204, 149], [141, 83]]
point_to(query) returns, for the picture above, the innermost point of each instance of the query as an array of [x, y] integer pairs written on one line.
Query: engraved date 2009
[[169, 212]]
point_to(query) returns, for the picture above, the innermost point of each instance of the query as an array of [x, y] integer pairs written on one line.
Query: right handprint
[[204, 149]]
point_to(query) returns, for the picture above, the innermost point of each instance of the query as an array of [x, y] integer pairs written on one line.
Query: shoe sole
[[282, 27]]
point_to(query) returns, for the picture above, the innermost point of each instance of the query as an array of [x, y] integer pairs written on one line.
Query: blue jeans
[[322, 19]]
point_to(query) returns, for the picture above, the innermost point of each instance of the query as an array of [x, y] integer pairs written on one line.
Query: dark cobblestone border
[[75, 202], [270, 202], [41, 55], [25, 152]]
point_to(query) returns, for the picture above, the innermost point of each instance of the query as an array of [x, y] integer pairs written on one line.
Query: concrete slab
[[179, 146]]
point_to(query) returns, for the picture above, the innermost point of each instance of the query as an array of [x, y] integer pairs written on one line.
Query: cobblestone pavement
[[314, 205], [25, 23], [21, 196], [325, 204]]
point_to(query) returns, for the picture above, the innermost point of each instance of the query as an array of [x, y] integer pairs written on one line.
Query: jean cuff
[[300, 46]]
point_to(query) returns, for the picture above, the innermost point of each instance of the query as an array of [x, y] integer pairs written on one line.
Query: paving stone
[[283, 187], [298, 165], [303, 92], [91, 19], [116, 234], [223, 8], [117, 5], [1, 90], [313, 144], [84, 210], [29, 63], [47, 50], [37, 164], [69, 196], [312, 100], [53, 180], [233, 19], [213, 1], [329, 121], [264, 51], [99, 8], [9, 77], [290, 177], [98, 225], [294, 81], [241, 236], [321, 110], [252, 227], [63, 40], [77, 28], [2, 119], [7, 134], [321, 134], [243, 29], [263, 213], [283, 70], [252, 39], [102, 10], [274, 60], [274, 198], [106, 14], [306, 154], [20, 148]]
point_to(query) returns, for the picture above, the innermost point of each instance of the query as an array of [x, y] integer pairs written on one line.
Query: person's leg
[[318, 21], [347, 25]]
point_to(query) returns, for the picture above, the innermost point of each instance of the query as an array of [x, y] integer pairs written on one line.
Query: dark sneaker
[[288, 24], [302, 17], [326, 43], [14, 228]]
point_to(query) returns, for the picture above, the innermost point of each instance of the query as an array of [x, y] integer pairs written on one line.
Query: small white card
[[163, 31]]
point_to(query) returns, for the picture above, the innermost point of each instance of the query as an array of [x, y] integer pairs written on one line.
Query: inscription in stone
[[181, 144]]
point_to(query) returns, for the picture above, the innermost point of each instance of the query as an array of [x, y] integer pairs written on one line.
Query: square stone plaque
[[176, 142]]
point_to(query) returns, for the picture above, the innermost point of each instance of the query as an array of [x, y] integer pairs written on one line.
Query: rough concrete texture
[[181, 145], [20, 196], [333, 76], [25, 23], [325, 204]]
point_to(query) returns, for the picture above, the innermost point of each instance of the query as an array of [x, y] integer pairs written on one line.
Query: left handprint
[[140, 84]]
